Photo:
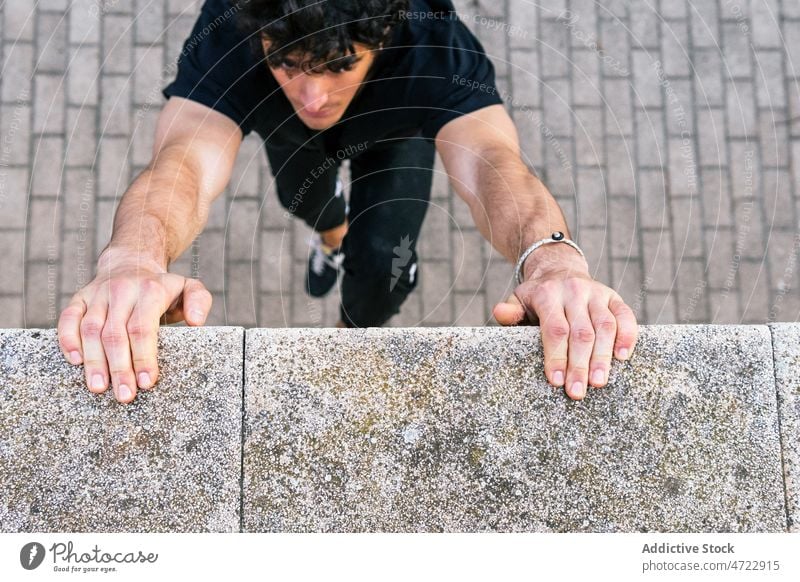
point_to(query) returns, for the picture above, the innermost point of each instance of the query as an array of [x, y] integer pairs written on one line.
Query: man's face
[[321, 97]]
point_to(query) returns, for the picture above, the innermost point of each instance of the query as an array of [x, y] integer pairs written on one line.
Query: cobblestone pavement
[[669, 132]]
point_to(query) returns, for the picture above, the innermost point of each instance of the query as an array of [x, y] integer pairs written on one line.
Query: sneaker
[[323, 267]]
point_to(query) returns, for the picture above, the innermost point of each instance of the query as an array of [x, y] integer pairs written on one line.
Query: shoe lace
[[319, 258]]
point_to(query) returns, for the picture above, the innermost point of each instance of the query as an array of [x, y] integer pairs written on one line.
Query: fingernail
[[597, 377], [123, 392], [144, 380], [623, 353], [558, 378], [75, 357], [577, 389], [98, 382], [196, 315]]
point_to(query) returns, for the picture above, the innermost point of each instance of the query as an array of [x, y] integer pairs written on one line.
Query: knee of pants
[[386, 262], [370, 299]]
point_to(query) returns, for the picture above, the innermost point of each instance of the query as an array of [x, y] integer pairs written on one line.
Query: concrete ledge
[[74, 461], [786, 346], [455, 429], [438, 429]]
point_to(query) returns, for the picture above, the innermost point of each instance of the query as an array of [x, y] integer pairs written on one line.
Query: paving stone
[[621, 166], [704, 23], [44, 232], [774, 134], [239, 298], [711, 137], [468, 270], [644, 25], [84, 21], [148, 22], [646, 80], [117, 54], [741, 109], [589, 145], [623, 226], [724, 307], [48, 106], [12, 274], [616, 46], [755, 291], [662, 308], [769, 79], [650, 144], [47, 167], [723, 259], [211, 252], [716, 197], [708, 84], [780, 209], [766, 30], [83, 80], [675, 45], [441, 430], [13, 197], [18, 69], [18, 20], [619, 111], [553, 46], [115, 110], [658, 263], [168, 462]]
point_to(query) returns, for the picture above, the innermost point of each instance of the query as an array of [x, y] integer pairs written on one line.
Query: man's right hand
[[111, 325]]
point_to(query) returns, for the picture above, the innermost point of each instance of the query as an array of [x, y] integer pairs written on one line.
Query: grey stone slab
[[71, 460], [457, 430], [786, 347]]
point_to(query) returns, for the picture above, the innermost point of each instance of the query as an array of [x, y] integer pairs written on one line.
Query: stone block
[[457, 430], [73, 461]]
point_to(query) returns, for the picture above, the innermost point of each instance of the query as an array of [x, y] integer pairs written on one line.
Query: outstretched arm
[[582, 321]]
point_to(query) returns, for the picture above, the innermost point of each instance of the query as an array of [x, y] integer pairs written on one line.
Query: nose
[[313, 94]]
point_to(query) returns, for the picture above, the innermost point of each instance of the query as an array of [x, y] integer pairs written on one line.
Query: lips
[[320, 113]]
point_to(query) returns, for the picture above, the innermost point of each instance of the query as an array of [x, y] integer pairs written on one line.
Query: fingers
[[117, 345], [555, 335], [605, 329], [196, 302], [142, 329], [193, 305], [69, 330], [627, 328], [510, 312], [94, 356], [581, 339], [582, 326]]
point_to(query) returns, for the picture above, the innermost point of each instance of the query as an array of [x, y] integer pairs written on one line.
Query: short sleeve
[[459, 78], [218, 68]]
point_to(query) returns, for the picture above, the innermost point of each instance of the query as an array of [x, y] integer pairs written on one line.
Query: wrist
[[552, 258], [116, 256]]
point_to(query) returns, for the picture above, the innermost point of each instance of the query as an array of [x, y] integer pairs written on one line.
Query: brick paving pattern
[[669, 132]]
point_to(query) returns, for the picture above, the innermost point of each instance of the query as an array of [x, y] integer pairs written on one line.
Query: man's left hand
[[581, 320]]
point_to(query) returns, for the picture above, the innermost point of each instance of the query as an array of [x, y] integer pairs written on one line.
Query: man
[[385, 84]]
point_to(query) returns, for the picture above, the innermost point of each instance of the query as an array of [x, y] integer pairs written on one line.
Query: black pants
[[390, 193]]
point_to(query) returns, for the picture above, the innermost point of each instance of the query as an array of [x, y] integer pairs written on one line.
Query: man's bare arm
[[581, 319], [167, 205], [111, 325]]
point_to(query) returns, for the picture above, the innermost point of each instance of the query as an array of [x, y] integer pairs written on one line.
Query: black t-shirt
[[432, 71]]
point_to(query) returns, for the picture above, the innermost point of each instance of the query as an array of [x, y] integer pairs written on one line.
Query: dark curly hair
[[323, 31]]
